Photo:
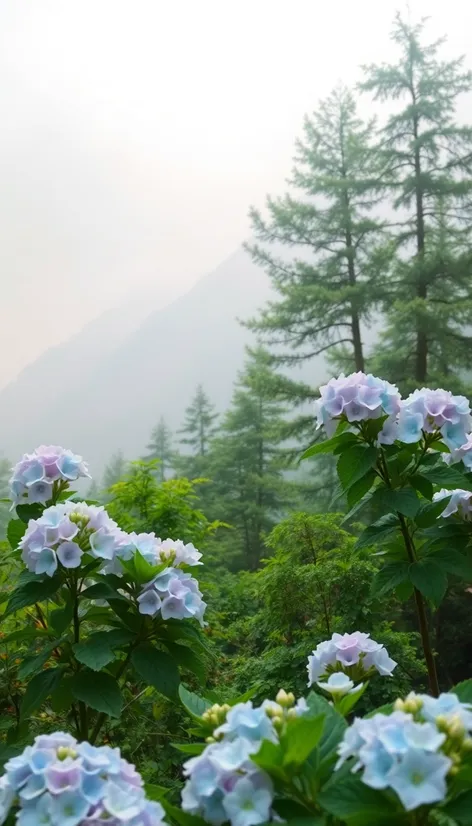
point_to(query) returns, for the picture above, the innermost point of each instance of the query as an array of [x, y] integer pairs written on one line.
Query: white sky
[[136, 133]]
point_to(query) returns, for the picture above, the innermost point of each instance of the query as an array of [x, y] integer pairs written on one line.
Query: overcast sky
[[136, 133]]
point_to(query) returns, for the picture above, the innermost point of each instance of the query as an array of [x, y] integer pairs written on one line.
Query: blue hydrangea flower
[[338, 684], [213, 777], [249, 723], [61, 782], [438, 410], [35, 474], [396, 752], [446, 705], [459, 502]]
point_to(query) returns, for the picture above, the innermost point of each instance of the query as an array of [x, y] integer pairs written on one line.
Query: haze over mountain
[[106, 387]]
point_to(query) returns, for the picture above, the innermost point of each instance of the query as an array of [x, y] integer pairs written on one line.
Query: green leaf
[[422, 485], [354, 463], [328, 445], [27, 512], [15, 531], [346, 797], [155, 792], [36, 662], [195, 705], [404, 501], [61, 697], [102, 590], [60, 618], [321, 761], [26, 634], [428, 514], [446, 477], [98, 690], [180, 817], [158, 669], [144, 571], [378, 532], [360, 488], [463, 691], [96, 652], [389, 577], [429, 579], [302, 736], [453, 562], [460, 809], [347, 703], [38, 689], [270, 758], [189, 748], [186, 658], [32, 592]]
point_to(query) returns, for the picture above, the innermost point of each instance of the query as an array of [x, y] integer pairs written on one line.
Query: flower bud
[[467, 744], [399, 705], [285, 700]]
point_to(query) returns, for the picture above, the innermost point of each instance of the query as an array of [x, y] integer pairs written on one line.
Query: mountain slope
[[103, 391]]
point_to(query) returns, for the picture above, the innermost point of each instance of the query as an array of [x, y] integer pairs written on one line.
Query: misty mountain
[[106, 387]]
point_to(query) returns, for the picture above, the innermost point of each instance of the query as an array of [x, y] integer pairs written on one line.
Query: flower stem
[[83, 728], [421, 614]]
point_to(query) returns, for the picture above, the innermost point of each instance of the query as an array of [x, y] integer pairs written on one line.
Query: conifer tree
[[115, 470], [247, 459], [5, 473], [160, 448], [199, 425], [427, 164], [326, 289]]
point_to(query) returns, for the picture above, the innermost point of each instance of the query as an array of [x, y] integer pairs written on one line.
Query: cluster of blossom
[[459, 502], [223, 783], [64, 532], [36, 473], [435, 410], [355, 398], [359, 397], [155, 551], [174, 594], [61, 782], [412, 750], [354, 654]]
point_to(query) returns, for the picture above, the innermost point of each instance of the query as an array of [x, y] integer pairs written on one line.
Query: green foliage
[[160, 450]]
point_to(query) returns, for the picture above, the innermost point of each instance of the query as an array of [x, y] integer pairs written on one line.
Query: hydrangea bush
[[112, 606]]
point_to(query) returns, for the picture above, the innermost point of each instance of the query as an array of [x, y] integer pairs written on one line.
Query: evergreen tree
[[324, 296], [199, 425], [247, 460], [115, 470], [427, 164], [160, 449]]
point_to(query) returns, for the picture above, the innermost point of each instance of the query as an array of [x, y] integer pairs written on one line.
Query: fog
[[136, 133]]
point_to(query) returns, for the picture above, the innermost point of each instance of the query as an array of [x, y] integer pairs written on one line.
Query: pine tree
[[324, 296], [427, 163], [160, 449], [115, 470], [199, 425], [247, 460]]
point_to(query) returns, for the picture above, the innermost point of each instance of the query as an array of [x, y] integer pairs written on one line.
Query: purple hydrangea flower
[[355, 398], [61, 782], [175, 594], [62, 533], [343, 652], [35, 474]]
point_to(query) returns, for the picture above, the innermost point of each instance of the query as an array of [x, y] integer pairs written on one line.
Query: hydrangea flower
[[178, 553], [63, 532], [435, 410], [461, 454], [338, 684], [460, 502], [349, 653], [155, 551], [356, 397], [394, 751], [447, 706], [36, 473], [252, 724], [223, 784], [174, 594], [61, 782]]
